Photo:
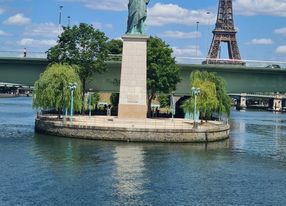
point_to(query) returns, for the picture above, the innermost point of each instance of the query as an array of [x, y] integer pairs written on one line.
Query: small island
[[149, 130], [148, 72]]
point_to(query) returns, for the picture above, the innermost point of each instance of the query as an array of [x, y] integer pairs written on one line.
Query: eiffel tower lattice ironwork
[[224, 32]]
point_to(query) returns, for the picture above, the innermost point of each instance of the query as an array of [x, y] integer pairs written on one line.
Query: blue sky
[[261, 24]]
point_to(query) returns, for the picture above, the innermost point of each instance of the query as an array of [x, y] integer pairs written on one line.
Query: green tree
[[164, 100], [213, 96], [224, 101], [82, 46], [94, 99], [52, 91], [188, 106], [162, 74], [114, 47], [207, 99]]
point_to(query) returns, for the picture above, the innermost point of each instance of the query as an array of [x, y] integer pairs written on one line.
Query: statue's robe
[[137, 13]]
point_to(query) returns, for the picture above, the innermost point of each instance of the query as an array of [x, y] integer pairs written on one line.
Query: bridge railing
[[248, 63], [260, 95], [179, 59], [20, 54]]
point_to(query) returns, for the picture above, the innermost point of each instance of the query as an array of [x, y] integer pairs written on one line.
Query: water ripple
[[248, 169]]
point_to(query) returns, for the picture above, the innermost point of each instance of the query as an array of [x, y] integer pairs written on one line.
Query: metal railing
[[248, 63], [41, 55], [180, 59], [258, 95], [20, 54]]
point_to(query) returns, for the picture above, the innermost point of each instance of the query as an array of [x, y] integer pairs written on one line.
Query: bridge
[[239, 79], [266, 96], [275, 100]]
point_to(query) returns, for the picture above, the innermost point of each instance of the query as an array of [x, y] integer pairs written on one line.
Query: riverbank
[[3, 95], [7, 95], [131, 130]]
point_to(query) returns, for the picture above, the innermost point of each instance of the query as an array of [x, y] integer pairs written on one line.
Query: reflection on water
[[260, 133], [247, 169], [129, 161]]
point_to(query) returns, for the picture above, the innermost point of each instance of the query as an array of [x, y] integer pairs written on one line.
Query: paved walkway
[[154, 123]]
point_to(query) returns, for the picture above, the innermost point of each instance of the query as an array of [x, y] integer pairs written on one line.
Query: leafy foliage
[[164, 100], [162, 74], [91, 100], [52, 91], [94, 99], [114, 47], [82, 46], [188, 105], [213, 96], [207, 99]]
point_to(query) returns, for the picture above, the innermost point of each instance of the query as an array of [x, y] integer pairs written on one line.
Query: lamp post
[[172, 105], [89, 104], [60, 19], [69, 21], [72, 87], [197, 38], [195, 92]]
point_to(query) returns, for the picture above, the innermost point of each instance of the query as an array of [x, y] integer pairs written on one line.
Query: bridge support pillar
[[17, 92], [242, 102], [277, 104]]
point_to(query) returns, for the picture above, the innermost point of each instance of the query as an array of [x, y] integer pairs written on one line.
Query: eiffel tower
[[224, 32]]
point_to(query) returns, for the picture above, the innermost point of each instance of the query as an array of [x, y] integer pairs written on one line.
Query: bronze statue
[[137, 14]]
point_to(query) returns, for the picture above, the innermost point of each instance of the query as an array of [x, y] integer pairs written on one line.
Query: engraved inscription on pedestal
[[133, 99]]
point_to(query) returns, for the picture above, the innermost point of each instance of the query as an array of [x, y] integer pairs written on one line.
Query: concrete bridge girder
[[275, 101], [238, 79], [277, 104]]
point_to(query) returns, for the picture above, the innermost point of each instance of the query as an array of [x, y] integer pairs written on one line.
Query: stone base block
[[129, 111], [133, 81]]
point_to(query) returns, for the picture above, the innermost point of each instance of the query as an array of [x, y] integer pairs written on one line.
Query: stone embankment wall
[[218, 133]]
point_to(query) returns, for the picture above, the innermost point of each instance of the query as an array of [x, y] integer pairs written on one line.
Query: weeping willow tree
[[188, 106], [224, 101], [52, 90], [212, 97]]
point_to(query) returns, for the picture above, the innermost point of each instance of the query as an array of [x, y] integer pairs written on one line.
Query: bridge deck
[[239, 79]]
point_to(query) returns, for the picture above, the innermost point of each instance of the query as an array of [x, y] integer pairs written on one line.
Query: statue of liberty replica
[[133, 80], [137, 13]]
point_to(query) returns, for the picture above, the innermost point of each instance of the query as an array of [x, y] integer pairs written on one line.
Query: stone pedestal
[[133, 82]]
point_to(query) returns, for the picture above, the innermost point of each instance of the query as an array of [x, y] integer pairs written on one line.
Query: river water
[[248, 169]]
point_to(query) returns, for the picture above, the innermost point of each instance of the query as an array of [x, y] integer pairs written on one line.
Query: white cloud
[[98, 25], [181, 35], [113, 5], [162, 14], [189, 51], [3, 33], [43, 30], [29, 42], [262, 41], [18, 19], [281, 31], [281, 49], [260, 7]]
